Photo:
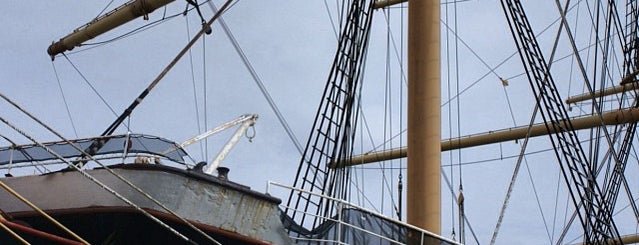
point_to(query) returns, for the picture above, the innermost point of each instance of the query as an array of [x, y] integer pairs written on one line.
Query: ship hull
[[228, 212]]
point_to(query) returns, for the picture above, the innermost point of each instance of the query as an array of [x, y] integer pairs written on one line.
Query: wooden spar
[[601, 93], [97, 145], [584, 122], [627, 239], [423, 208], [113, 19], [385, 3]]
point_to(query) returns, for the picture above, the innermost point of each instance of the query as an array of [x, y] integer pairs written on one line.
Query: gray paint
[[195, 199]]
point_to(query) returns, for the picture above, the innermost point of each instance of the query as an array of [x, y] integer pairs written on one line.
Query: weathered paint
[[194, 196]]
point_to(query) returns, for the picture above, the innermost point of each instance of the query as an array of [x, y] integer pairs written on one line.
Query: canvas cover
[[137, 143]]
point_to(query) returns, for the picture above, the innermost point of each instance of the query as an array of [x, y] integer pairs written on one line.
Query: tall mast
[[424, 116]]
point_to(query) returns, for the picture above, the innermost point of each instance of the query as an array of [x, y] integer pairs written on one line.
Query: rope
[[95, 180], [106, 168], [105, 187], [95, 146], [111, 171]]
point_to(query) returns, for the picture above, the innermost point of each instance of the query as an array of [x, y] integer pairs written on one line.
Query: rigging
[[64, 99], [573, 162], [631, 64], [259, 83], [195, 100], [73, 166], [333, 131], [111, 129]]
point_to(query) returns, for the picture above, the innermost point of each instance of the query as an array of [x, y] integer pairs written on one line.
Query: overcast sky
[[291, 46]]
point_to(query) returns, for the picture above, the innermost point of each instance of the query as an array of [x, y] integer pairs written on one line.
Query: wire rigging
[[64, 99], [522, 155], [195, 100], [206, 107], [90, 177], [595, 218], [460, 198], [570, 79], [386, 119], [104, 9], [84, 78], [98, 182], [450, 121], [401, 104], [148, 26], [259, 82], [330, 18], [452, 193], [98, 144], [481, 78], [135, 31], [331, 139]]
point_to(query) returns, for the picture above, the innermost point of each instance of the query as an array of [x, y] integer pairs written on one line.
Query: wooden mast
[[424, 116]]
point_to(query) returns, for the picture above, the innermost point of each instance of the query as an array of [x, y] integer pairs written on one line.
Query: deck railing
[[350, 225]]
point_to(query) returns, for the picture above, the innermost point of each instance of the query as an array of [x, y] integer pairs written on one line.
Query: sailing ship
[[563, 71]]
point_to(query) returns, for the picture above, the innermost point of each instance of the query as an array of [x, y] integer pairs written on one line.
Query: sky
[[119, 71], [290, 44]]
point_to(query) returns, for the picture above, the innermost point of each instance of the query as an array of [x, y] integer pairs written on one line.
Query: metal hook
[[252, 135]]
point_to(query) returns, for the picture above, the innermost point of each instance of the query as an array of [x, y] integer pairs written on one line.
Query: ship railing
[[343, 226], [128, 148], [340, 226], [48, 166]]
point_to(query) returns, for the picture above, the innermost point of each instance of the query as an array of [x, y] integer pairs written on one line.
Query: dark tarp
[[115, 144], [357, 230]]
